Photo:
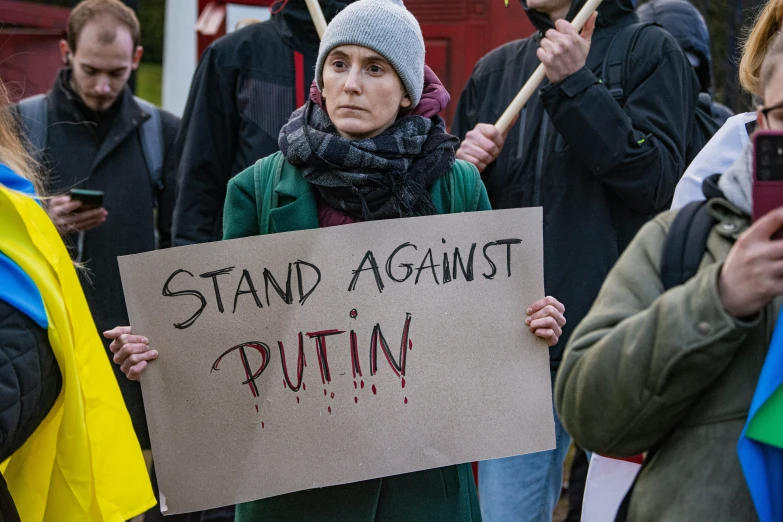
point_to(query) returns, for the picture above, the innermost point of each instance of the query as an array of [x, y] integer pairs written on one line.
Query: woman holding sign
[[368, 145]]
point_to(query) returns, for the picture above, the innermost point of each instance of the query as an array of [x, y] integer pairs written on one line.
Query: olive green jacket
[[670, 369], [444, 494]]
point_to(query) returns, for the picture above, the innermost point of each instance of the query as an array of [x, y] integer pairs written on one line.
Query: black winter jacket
[[599, 170], [30, 379], [109, 157], [245, 88], [685, 23]]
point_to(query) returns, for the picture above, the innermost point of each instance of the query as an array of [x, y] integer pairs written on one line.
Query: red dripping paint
[[256, 408], [297, 399], [374, 391], [324, 392], [332, 395], [330, 410], [362, 385], [354, 385], [403, 382], [262, 425], [406, 400], [410, 346], [284, 384], [304, 386], [356, 400]]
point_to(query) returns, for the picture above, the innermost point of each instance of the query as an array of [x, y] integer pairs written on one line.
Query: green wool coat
[[444, 494]]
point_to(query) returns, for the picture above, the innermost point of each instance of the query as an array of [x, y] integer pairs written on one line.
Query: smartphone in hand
[[91, 199], [767, 174]]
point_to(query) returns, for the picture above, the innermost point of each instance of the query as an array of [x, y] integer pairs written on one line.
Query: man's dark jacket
[[245, 88], [599, 170], [109, 157]]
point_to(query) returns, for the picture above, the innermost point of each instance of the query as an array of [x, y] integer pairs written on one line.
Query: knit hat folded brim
[[386, 27]]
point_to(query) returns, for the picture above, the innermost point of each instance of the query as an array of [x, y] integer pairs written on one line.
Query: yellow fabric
[[84, 461]]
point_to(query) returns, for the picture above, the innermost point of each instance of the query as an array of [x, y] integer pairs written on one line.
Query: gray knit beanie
[[386, 27]]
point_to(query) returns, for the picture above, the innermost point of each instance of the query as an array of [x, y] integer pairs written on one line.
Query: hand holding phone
[[69, 214], [90, 199]]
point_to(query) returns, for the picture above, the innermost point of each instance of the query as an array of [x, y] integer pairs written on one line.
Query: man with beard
[[245, 88], [600, 163]]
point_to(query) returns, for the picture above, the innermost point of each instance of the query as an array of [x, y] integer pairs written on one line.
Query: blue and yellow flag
[[83, 463], [760, 447]]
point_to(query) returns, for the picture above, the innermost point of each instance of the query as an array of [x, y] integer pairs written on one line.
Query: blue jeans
[[524, 488]]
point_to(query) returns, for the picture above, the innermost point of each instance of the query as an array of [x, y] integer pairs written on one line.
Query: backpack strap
[[266, 176], [34, 116], [615, 66], [152, 144], [684, 246]]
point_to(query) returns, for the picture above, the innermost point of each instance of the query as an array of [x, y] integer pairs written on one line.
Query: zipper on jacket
[[537, 180]]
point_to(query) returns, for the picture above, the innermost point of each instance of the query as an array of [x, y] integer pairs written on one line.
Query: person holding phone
[[672, 372], [69, 214], [108, 158], [725, 146]]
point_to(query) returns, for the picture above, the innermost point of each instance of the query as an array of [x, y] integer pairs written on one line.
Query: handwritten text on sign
[[414, 330]]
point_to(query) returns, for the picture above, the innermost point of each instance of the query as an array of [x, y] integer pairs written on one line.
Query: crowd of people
[[622, 129]]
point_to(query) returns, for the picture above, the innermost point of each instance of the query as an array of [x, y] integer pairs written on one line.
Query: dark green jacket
[[671, 370], [444, 494]]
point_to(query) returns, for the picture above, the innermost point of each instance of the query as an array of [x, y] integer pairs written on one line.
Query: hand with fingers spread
[[482, 145], [131, 352], [546, 319], [563, 51], [64, 213], [752, 273]]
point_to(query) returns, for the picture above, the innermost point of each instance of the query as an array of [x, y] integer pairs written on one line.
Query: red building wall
[[30, 51], [457, 33]]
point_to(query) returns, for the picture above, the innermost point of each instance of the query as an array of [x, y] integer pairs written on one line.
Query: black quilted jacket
[[30, 379]]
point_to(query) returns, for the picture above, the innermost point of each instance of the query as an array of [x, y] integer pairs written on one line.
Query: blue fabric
[[16, 287], [14, 181], [524, 488], [761, 463]]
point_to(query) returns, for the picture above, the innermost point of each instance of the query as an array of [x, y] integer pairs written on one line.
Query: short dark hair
[[772, 59], [89, 10]]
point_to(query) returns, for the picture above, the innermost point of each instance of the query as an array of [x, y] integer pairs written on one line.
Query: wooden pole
[[519, 101], [318, 17]]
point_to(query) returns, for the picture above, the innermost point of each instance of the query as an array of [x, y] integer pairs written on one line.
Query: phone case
[[767, 195]]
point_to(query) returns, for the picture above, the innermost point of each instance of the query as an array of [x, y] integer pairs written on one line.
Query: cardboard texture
[[470, 383]]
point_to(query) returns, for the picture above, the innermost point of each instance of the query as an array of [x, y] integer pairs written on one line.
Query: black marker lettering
[[408, 266], [194, 293], [286, 296], [431, 266], [468, 275], [214, 275], [302, 295], [508, 243], [446, 268], [373, 266], [494, 268], [251, 290]]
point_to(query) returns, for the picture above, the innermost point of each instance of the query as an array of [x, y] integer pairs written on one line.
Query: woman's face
[[363, 92]]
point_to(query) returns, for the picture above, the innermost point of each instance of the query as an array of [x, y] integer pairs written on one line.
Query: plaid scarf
[[387, 176]]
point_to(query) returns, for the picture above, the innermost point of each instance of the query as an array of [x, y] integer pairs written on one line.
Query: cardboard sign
[[323, 357]]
